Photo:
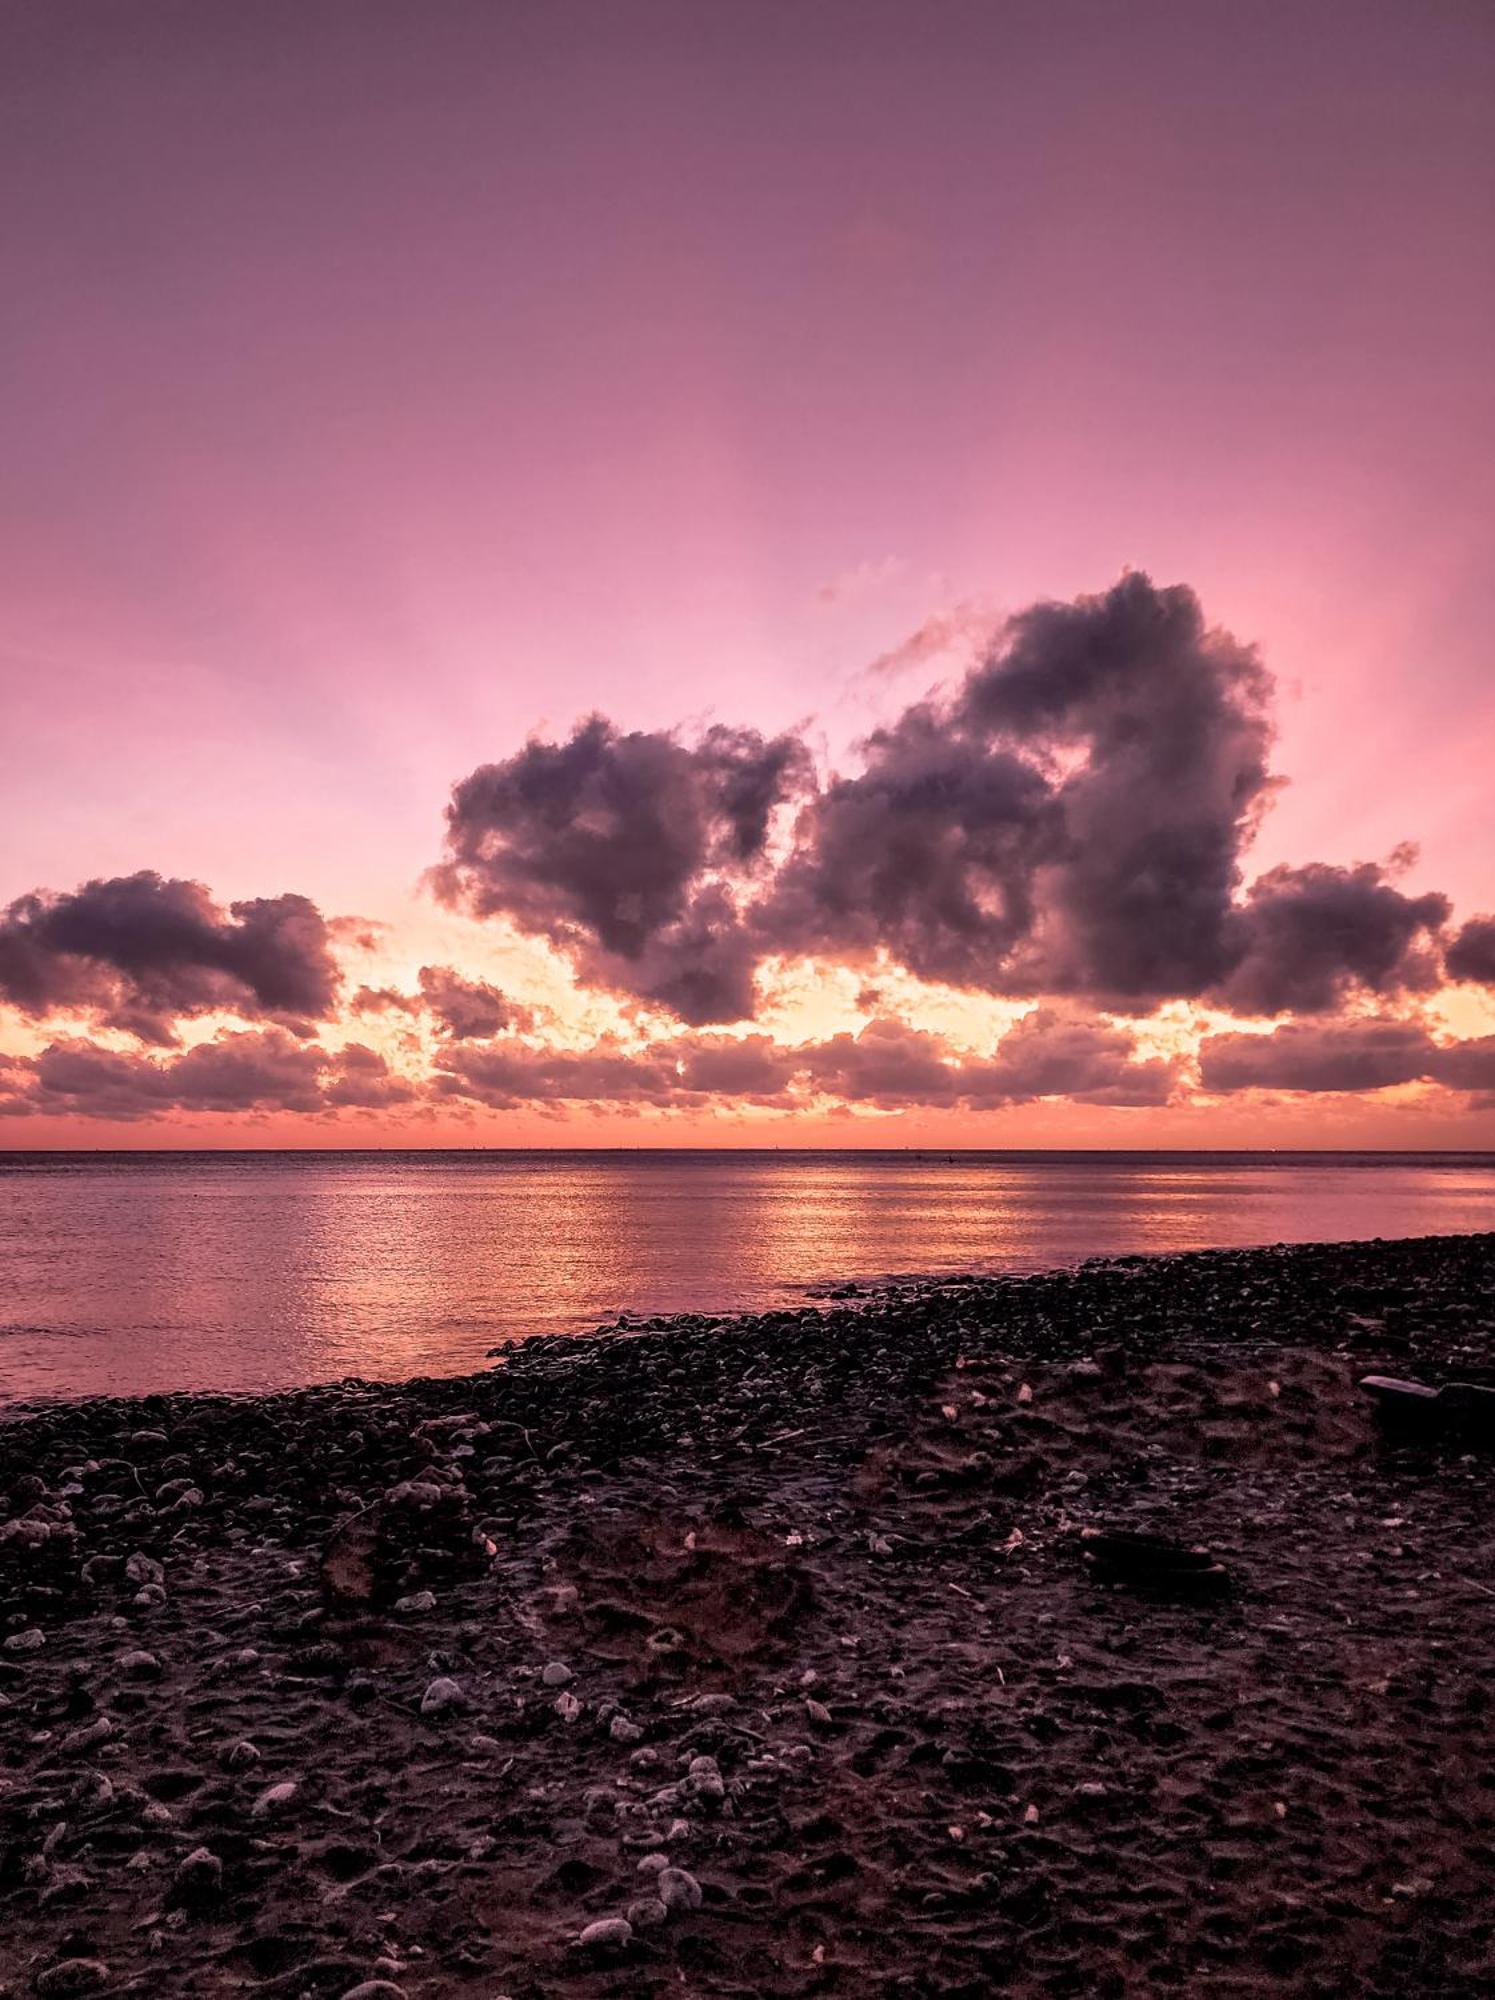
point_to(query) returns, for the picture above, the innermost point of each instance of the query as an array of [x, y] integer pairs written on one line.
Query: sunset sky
[[836, 574]]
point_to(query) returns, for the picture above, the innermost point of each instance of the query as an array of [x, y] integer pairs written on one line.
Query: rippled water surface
[[131, 1272]]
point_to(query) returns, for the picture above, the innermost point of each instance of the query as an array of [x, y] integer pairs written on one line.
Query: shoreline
[[796, 1600]]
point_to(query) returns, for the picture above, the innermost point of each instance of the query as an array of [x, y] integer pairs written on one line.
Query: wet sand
[[763, 1657]]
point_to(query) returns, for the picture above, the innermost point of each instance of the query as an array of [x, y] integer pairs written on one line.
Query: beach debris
[[1463, 1410], [1154, 1562]]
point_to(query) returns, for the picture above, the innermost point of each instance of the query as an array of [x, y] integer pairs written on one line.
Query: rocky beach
[[779, 1656]]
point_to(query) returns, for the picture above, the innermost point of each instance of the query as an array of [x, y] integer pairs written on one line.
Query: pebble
[[647, 1913], [141, 1568], [622, 1730], [72, 1975], [239, 1756], [87, 1738], [557, 1674], [200, 1876], [442, 1697], [417, 1604], [275, 1800], [140, 1666], [30, 1641], [607, 1934], [678, 1889], [567, 1707]]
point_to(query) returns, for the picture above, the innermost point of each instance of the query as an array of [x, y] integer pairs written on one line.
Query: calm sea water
[[131, 1272]]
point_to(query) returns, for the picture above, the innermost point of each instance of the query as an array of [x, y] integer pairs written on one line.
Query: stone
[[199, 1877], [29, 1641], [275, 1800], [678, 1890], [646, 1913], [557, 1674], [607, 1934], [72, 1975], [443, 1696]]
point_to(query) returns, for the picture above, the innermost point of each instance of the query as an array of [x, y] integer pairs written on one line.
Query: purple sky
[[381, 383]]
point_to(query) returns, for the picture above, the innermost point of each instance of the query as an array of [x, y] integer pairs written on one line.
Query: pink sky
[[386, 383]]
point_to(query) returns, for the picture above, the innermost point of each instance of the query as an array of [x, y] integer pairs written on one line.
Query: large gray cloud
[[1069, 820], [142, 951], [626, 850], [1307, 936]]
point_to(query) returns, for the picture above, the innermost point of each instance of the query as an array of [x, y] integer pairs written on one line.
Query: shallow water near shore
[[129, 1273]]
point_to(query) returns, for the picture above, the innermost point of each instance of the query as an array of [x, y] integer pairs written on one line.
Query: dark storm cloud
[[1307, 935], [141, 951], [623, 849], [1471, 956]]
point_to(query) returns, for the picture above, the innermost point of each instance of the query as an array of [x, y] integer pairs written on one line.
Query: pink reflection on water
[[127, 1274]]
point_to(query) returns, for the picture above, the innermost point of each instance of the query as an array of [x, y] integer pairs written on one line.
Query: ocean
[[124, 1273]]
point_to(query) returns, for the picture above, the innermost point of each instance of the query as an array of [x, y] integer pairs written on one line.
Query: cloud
[[358, 1078], [469, 1010], [888, 1065], [141, 952], [1471, 956], [1308, 935], [252, 1070], [1069, 820], [1344, 1056], [960, 629], [260, 1070], [626, 851], [928, 854]]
